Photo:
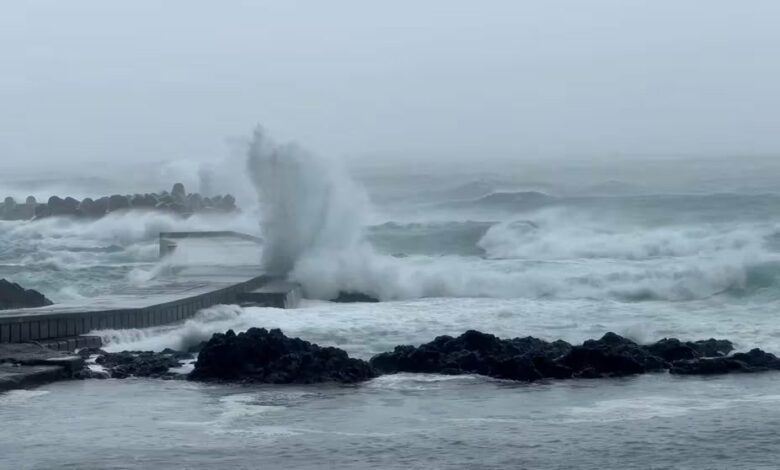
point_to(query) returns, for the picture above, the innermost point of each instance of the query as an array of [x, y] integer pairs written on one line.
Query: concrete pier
[[139, 308], [276, 293], [172, 296]]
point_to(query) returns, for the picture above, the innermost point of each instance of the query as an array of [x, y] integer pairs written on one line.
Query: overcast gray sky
[[151, 79]]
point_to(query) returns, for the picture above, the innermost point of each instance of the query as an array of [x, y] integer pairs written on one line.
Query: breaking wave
[[313, 217]]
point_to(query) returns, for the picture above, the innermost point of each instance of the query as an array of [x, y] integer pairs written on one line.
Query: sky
[[399, 81]]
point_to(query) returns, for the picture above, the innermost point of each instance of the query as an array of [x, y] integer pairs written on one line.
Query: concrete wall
[[34, 327]]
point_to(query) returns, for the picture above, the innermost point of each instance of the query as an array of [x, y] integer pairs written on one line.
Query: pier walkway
[[173, 297]]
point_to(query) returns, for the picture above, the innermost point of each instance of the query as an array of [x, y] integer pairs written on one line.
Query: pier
[[175, 297]]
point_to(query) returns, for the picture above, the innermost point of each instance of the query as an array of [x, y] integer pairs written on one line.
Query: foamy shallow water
[[402, 421]]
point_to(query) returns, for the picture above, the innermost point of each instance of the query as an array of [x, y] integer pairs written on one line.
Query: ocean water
[[483, 254]]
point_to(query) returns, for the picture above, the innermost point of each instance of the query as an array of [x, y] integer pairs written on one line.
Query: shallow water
[[654, 421]]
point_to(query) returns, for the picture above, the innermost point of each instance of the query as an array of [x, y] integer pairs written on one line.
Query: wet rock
[[86, 353], [672, 349], [474, 352], [354, 297], [141, 364], [754, 361], [611, 356], [15, 296], [263, 356], [712, 347]]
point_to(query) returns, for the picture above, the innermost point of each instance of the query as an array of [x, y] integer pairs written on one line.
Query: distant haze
[[435, 81]]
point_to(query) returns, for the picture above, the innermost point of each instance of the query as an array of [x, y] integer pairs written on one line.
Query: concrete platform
[[277, 293], [158, 304], [214, 268], [26, 365]]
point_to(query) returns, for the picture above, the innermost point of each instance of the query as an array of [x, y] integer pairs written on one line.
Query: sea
[[445, 252]]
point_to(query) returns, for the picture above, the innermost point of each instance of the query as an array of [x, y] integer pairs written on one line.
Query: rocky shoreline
[[177, 201], [269, 357]]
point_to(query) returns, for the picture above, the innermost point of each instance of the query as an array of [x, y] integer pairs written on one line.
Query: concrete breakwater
[[166, 302], [176, 201]]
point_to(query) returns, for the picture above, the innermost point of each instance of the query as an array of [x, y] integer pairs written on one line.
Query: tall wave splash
[[313, 217]]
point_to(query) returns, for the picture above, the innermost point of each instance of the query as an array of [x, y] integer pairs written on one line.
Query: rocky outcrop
[[754, 361], [126, 364], [474, 352], [262, 356], [529, 359], [672, 349], [178, 201], [13, 295], [611, 356]]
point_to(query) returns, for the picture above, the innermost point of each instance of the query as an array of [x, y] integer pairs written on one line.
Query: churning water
[[483, 254]]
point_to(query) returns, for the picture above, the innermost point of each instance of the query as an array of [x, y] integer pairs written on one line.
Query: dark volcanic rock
[[354, 297], [142, 364], [754, 361], [611, 356], [672, 349], [15, 296], [474, 352], [264, 356]]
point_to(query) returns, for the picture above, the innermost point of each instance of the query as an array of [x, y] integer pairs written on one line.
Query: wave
[[566, 234], [431, 238]]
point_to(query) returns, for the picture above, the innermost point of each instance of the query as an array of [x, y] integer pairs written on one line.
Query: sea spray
[[309, 205]]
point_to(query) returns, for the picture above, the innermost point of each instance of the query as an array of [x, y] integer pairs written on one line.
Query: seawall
[[141, 309]]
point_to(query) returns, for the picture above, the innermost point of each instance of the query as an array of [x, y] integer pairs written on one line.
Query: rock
[[262, 356], [118, 202], [15, 296], [474, 352], [227, 203], [611, 356], [754, 361], [178, 193], [354, 297], [672, 349], [141, 363], [41, 211], [137, 201], [86, 353], [90, 208], [11, 210], [712, 347], [62, 207], [194, 202]]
